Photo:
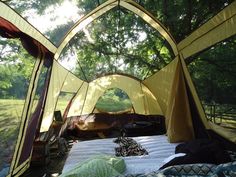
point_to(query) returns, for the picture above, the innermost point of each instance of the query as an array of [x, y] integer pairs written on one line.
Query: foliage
[[114, 100], [214, 73], [181, 17], [15, 69], [118, 41]]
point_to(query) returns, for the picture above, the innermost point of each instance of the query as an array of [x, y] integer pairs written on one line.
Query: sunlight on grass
[[10, 117], [63, 101], [110, 105]]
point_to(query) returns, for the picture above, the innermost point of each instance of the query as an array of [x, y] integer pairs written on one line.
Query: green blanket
[[98, 166]]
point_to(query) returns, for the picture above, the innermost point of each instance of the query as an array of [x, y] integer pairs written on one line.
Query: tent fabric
[[160, 84], [144, 102], [220, 27], [224, 132], [8, 30], [10, 15], [19, 165], [178, 117], [77, 103], [198, 104], [61, 80], [172, 96]]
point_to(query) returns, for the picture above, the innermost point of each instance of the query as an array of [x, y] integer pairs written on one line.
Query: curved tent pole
[[108, 5], [118, 36], [81, 68]]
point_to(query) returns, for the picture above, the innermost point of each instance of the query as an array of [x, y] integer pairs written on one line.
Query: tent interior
[[79, 77]]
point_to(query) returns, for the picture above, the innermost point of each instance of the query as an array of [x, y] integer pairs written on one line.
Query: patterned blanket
[[128, 147], [193, 170]]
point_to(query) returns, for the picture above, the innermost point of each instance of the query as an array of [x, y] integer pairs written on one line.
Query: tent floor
[[55, 162]]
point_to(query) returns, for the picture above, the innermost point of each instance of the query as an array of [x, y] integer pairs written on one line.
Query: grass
[[222, 114], [113, 105], [10, 117]]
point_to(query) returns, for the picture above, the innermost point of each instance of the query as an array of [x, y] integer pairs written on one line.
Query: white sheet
[[158, 149]]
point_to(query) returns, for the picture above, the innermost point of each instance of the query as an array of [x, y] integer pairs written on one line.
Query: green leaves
[[214, 73], [15, 69]]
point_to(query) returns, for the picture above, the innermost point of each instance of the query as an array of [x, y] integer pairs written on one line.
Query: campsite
[[117, 88]]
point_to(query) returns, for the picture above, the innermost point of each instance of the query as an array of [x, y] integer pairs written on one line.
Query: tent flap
[[178, 115]]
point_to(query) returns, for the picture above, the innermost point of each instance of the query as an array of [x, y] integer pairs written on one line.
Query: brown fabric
[[8, 30], [36, 49], [178, 119], [100, 122]]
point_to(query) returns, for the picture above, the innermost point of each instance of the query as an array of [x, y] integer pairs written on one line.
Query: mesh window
[[63, 100], [214, 72], [182, 17], [15, 72], [117, 42], [53, 18]]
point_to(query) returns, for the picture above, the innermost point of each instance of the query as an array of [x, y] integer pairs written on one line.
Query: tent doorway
[[114, 100]]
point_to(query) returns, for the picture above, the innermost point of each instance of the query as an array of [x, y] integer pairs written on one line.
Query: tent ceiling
[[140, 55]]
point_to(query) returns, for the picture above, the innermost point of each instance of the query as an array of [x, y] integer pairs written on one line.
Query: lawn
[[113, 105], [10, 117]]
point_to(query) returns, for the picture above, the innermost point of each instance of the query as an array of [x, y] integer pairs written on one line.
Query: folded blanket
[[199, 151]]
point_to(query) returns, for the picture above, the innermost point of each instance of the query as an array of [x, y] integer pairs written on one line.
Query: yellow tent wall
[[169, 87], [144, 102], [61, 80], [160, 84], [78, 102]]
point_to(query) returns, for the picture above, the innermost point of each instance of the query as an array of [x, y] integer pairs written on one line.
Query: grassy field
[[10, 117], [113, 105]]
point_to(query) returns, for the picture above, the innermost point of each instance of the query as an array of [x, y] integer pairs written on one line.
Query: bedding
[[192, 170], [200, 151], [102, 166], [157, 146], [160, 151]]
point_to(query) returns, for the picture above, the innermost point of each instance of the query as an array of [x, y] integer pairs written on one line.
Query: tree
[[15, 69], [214, 73]]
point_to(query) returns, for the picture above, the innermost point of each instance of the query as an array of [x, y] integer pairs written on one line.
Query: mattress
[[158, 149]]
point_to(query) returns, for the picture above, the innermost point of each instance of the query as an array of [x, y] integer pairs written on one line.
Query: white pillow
[[166, 160]]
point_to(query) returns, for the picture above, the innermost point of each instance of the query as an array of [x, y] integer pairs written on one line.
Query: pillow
[[168, 159], [98, 166]]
